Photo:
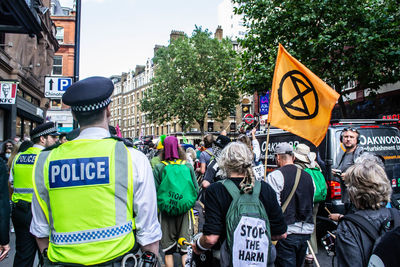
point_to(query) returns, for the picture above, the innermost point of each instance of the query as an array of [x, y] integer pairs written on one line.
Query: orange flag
[[301, 103]]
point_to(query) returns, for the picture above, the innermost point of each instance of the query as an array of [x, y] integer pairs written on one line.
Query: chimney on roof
[[219, 33], [176, 34]]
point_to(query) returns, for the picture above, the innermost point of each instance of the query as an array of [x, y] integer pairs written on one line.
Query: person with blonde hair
[[235, 162], [369, 190]]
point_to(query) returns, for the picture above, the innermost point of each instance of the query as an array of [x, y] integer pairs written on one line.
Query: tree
[[193, 76], [339, 40]]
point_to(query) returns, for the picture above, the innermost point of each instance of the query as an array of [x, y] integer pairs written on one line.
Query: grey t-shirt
[[346, 161], [206, 156]]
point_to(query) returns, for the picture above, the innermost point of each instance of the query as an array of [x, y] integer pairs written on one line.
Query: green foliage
[[339, 40], [192, 76]]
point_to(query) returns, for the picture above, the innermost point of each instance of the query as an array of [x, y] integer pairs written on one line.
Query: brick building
[[27, 46], [63, 63]]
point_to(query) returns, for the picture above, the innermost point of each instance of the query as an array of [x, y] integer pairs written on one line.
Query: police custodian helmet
[[47, 128], [90, 94]]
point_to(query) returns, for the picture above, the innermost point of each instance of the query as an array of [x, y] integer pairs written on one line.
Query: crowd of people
[[96, 200]]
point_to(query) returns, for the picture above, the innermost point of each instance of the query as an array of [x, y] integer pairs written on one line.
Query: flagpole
[[266, 153]]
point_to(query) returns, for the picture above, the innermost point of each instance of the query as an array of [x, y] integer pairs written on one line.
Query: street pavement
[[323, 258]]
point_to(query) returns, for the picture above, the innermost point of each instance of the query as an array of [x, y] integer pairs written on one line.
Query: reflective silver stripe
[[39, 181], [88, 236], [121, 183], [23, 190]]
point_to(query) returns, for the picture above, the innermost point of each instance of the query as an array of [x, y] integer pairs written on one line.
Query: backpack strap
[[232, 188], [209, 153], [256, 190], [296, 183], [363, 224]]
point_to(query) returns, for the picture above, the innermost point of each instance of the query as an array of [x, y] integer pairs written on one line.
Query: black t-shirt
[[217, 201]]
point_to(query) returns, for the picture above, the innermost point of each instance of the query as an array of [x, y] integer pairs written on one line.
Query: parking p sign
[[55, 87]]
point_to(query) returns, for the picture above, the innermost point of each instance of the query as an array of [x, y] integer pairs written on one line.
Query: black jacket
[[4, 205], [301, 205], [353, 246]]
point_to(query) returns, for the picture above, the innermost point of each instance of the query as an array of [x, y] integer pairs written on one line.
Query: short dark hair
[[208, 140], [89, 117]]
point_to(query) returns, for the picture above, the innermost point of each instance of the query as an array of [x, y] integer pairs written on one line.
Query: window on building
[[57, 65], [55, 103], [210, 126], [233, 127], [60, 35], [2, 40]]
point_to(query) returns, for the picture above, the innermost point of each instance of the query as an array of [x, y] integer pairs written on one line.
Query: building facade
[[63, 63], [27, 47], [131, 87]]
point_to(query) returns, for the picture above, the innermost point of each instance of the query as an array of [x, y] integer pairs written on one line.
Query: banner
[[264, 104], [300, 103], [8, 92]]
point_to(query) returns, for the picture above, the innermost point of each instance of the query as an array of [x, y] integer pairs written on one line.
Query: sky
[[117, 35]]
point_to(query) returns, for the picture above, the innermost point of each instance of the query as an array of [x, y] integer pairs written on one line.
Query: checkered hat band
[[91, 235], [45, 132], [92, 107]]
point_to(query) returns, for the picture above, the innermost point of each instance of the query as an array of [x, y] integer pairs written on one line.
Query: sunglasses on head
[[350, 129]]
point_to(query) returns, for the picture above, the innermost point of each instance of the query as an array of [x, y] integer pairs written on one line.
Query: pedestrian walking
[[93, 193], [233, 226], [295, 192], [43, 136], [4, 212], [177, 191], [305, 160], [369, 190]]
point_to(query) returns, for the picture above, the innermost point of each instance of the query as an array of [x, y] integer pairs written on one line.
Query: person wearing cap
[[43, 136], [299, 206], [95, 197], [305, 159], [213, 173]]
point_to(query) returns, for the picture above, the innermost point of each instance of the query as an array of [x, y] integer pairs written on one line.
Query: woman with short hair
[[369, 190]]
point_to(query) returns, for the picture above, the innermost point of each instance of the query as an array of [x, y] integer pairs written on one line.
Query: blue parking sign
[[264, 104], [63, 84]]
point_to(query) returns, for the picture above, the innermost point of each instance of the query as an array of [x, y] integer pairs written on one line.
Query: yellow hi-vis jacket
[[85, 189], [22, 173]]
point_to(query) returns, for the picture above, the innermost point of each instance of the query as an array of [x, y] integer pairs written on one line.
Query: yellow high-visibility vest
[[85, 188], [22, 173]]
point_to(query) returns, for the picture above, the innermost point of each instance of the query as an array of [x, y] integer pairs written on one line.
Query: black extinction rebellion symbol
[[288, 107]]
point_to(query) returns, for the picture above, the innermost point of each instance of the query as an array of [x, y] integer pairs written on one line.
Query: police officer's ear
[[108, 112], [42, 139]]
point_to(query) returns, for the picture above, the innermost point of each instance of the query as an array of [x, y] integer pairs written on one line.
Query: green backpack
[[176, 193], [248, 236], [320, 184]]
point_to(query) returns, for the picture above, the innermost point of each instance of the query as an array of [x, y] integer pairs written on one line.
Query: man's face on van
[[349, 139]]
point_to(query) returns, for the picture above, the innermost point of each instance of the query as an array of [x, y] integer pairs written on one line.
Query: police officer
[[43, 136], [93, 193]]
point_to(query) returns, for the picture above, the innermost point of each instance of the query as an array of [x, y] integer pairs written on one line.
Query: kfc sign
[[8, 92]]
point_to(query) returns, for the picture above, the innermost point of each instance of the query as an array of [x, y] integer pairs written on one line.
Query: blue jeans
[[291, 251]]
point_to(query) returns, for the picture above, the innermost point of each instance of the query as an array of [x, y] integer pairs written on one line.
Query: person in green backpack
[[177, 190], [305, 159], [242, 215]]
